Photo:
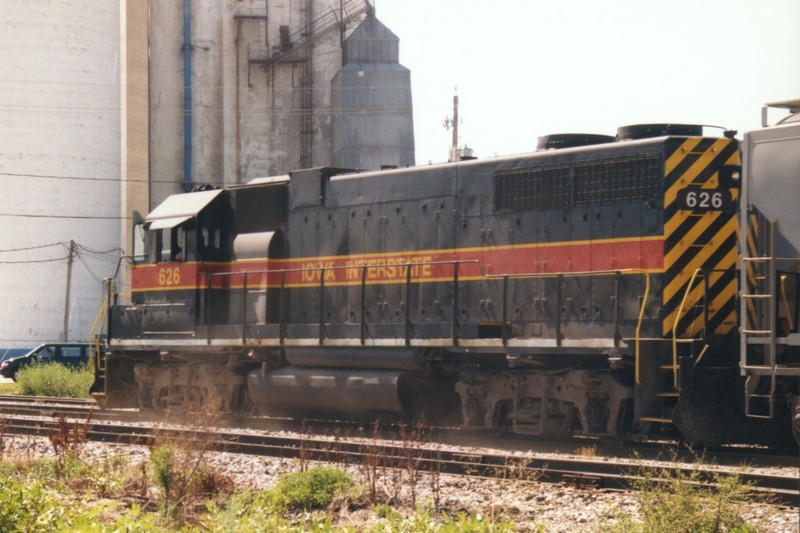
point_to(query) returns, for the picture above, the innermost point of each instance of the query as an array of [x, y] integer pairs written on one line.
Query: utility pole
[[70, 259], [454, 147]]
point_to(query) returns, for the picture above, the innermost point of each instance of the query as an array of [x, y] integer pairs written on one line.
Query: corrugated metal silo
[[371, 100]]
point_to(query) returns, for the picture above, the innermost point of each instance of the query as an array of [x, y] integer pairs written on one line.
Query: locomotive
[[602, 286]]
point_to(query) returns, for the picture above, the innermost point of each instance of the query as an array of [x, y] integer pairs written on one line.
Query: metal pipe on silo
[[187, 95]]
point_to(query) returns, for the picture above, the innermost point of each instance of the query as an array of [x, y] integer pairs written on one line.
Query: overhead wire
[[76, 217], [84, 178], [110, 256], [31, 261], [27, 248]]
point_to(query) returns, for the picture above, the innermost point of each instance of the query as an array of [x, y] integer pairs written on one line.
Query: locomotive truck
[[602, 286]]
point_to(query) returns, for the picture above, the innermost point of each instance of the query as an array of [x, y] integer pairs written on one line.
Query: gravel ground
[[528, 504]]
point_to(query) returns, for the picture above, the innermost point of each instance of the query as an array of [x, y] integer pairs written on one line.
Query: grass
[[9, 389]]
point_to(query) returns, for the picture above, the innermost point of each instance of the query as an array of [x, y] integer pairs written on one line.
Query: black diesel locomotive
[[588, 288]]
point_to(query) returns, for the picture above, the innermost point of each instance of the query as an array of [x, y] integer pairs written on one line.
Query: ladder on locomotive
[[759, 337]]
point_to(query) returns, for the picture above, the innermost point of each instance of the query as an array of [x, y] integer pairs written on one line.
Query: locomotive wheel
[[796, 419]]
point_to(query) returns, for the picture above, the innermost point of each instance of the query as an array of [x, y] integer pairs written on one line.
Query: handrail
[[675, 327], [559, 275], [99, 319], [641, 319], [680, 314], [788, 311], [363, 269], [456, 262]]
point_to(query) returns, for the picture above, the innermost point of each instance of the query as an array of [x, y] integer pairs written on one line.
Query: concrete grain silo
[[243, 89], [59, 165]]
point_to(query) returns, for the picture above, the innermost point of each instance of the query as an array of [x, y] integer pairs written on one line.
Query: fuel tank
[[351, 393]]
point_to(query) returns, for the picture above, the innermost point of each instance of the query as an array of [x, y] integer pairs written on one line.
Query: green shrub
[[54, 380], [312, 489]]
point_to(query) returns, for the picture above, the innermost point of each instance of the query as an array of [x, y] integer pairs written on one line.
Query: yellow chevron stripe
[[723, 296], [695, 226], [679, 283], [688, 177], [700, 260], [678, 155], [703, 222], [691, 300]]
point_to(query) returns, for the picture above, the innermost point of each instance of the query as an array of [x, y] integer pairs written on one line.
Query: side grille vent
[[613, 180], [261, 207]]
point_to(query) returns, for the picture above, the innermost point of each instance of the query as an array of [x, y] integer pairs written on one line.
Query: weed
[[4, 423], [474, 523], [67, 440], [433, 522], [517, 469], [386, 511], [54, 380], [671, 500], [587, 451], [180, 467], [373, 460], [247, 512], [164, 470], [209, 482], [411, 459], [28, 505]]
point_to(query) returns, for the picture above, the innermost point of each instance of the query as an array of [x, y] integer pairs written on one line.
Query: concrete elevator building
[[114, 105]]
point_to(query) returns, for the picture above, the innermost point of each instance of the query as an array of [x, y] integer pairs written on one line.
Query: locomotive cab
[[185, 229], [183, 238]]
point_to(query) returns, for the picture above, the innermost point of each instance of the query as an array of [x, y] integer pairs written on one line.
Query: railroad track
[[754, 456], [595, 473]]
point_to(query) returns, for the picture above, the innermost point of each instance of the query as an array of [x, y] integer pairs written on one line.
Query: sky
[[526, 68]]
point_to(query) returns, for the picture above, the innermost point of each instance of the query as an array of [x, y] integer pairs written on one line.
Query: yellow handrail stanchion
[[675, 328]]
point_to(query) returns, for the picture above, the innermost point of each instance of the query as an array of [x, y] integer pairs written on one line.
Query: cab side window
[[211, 238], [170, 244]]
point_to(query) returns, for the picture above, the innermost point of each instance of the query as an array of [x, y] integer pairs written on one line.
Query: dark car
[[68, 354]]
